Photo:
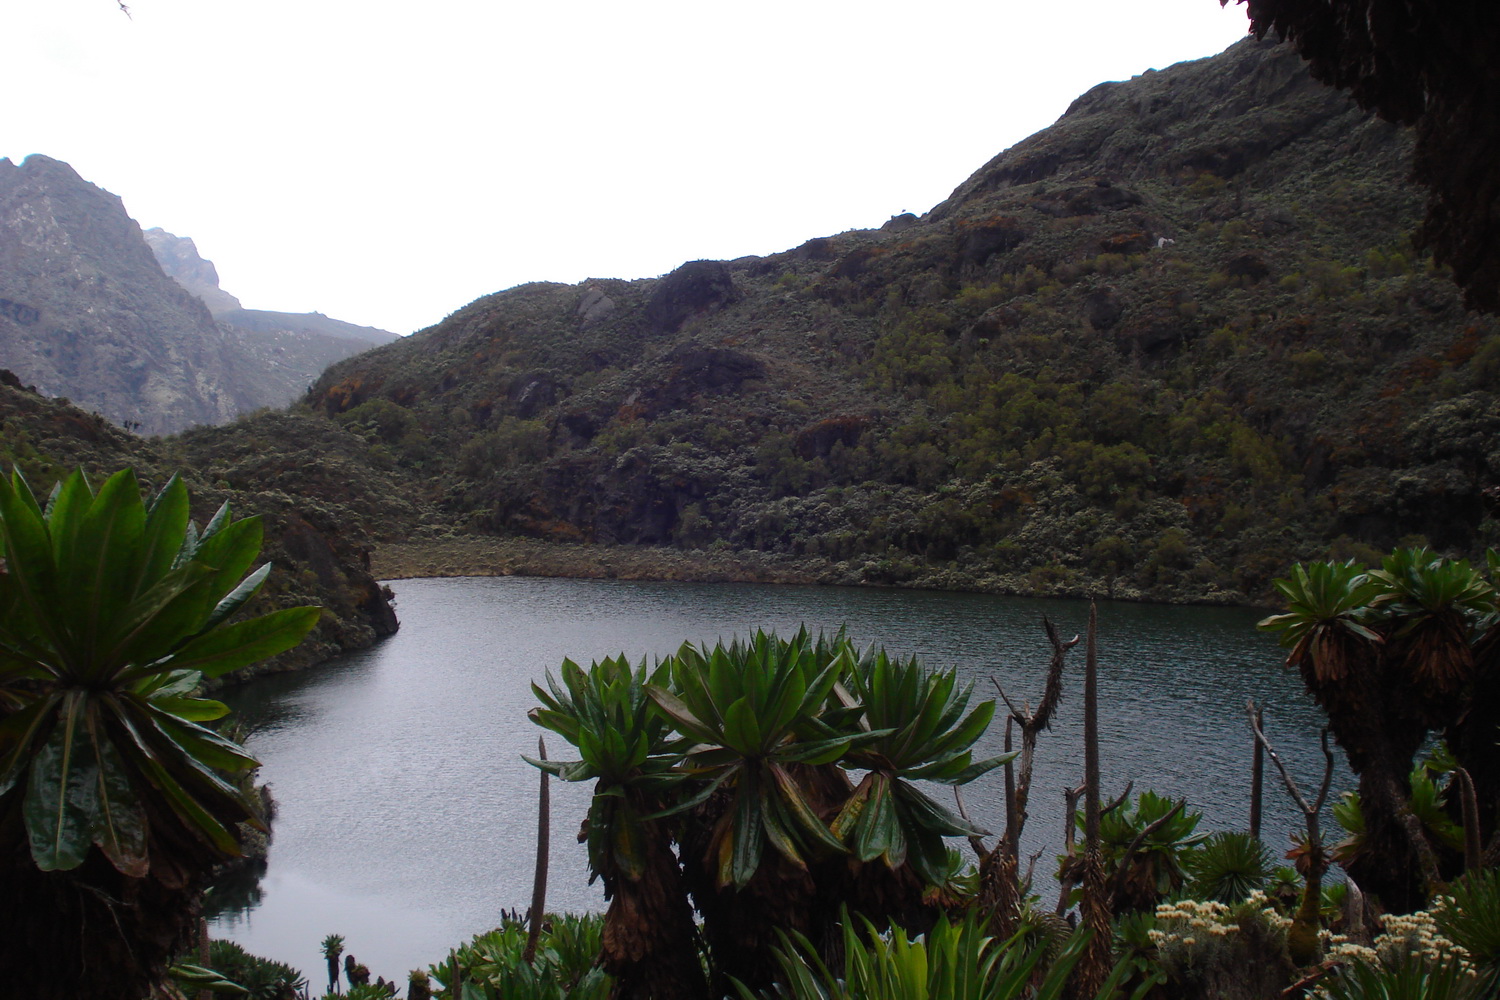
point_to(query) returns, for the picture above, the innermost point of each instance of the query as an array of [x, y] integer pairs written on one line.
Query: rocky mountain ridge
[[180, 260], [90, 315], [87, 313]]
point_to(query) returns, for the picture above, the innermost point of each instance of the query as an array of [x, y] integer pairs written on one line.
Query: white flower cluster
[[1401, 935], [1416, 934], [1191, 931]]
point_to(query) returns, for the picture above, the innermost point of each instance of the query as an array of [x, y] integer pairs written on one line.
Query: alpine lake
[[406, 818]]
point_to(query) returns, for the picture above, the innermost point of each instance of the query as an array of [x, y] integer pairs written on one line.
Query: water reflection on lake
[[406, 816]]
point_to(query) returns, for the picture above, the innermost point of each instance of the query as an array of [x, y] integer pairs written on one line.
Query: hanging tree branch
[[1257, 778], [1118, 801]]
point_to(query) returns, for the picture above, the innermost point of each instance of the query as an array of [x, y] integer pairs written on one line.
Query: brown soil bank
[[477, 555]]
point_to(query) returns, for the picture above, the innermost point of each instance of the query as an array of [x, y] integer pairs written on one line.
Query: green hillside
[[1159, 350]]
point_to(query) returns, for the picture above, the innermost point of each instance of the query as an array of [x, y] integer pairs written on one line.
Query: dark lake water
[[406, 816]]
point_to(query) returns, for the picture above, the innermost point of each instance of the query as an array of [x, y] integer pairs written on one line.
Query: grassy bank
[[485, 555], [474, 555]]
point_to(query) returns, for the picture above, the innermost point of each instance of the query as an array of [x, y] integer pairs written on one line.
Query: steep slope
[[180, 261], [86, 313], [1160, 349], [278, 354], [320, 556]]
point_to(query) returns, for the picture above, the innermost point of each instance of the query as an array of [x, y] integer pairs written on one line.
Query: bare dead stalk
[[1012, 817], [1067, 880], [1257, 778], [1291, 785], [1018, 783], [543, 838], [1472, 855], [1302, 936], [1094, 909]]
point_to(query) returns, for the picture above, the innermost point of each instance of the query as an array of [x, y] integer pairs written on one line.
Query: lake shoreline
[[481, 556], [405, 808]]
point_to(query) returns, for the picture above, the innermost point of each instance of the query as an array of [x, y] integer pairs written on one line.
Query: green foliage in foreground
[[736, 754], [1471, 920], [111, 614], [492, 966], [260, 978], [954, 961], [1410, 978], [920, 733], [1227, 867], [623, 748]]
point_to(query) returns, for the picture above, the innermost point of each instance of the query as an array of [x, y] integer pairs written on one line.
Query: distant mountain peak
[[133, 325], [179, 258]]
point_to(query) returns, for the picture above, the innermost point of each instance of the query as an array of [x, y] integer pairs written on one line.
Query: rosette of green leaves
[[625, 746], [953, 961], [111, 614], [922, 734], [1326, 624], [755, 713], [1155, 867], [1470, 918], [1435, 607]]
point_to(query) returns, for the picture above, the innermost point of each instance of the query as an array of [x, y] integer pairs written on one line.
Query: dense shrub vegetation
[[1165, 367]]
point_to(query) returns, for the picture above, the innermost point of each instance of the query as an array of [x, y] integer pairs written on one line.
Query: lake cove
[[406, 818]]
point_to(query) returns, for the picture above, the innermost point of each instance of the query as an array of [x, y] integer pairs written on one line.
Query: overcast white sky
[[388, 162]]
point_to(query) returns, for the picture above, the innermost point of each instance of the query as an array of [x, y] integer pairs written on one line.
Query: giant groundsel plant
[[112, 612]]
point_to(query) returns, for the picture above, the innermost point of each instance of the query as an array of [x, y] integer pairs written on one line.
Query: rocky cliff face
[[124, 322], [179, 258], [86, 313], [281, 353]]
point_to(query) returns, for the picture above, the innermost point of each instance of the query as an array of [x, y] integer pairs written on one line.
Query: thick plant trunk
[[88, 933], [1302, 936], [648, 934], [739, 925], [1397, 865], [1375, 715]]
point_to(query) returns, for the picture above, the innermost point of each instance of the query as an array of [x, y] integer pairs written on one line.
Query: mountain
[[284, 352], [87, 313], [180, 260], [1161, 349]]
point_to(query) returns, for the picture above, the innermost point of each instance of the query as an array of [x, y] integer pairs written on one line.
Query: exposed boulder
[[694, 370], [594, 306], [694, 288]]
